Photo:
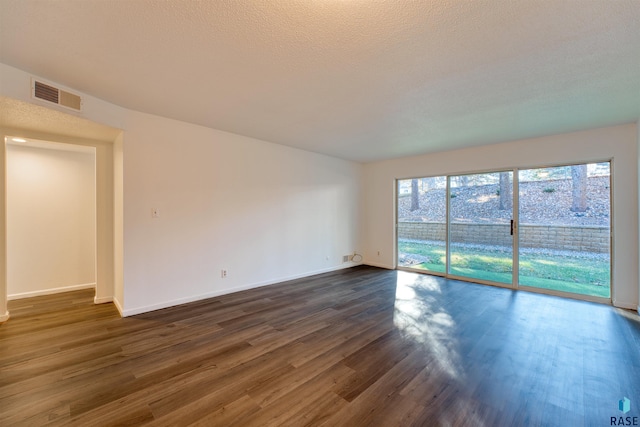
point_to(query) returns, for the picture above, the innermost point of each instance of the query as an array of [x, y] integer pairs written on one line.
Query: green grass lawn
[[561, 273]]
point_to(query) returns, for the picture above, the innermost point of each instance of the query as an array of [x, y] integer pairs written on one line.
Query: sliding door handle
[[512, 227]]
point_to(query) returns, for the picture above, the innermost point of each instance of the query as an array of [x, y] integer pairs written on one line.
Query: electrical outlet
[[223, 274]]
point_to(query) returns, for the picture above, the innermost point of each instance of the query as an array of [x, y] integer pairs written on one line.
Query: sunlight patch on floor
[[419, 315]]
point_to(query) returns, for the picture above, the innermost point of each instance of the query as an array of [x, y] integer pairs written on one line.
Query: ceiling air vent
[[60, 97]]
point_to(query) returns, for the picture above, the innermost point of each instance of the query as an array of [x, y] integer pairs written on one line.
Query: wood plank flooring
[[357, 347]]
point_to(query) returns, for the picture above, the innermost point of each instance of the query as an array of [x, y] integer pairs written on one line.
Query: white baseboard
[[50, 291], [385, 266], [102, 300], [4, 317], [217, 293], [118, 306], [626, 306]]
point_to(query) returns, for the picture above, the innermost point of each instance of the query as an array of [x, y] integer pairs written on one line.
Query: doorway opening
[[51, 217]]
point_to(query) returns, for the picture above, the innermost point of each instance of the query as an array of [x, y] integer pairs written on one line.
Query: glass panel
[[481, 244], [564, 229], [422, 217]]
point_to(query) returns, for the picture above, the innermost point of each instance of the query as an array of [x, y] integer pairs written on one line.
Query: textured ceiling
[[356, 79]]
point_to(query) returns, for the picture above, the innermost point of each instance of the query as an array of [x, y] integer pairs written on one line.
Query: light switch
[[155, 213]]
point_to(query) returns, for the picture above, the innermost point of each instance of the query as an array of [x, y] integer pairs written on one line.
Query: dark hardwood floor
[[357, 347]]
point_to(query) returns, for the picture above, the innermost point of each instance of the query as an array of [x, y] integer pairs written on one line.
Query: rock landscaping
[[541, 202]]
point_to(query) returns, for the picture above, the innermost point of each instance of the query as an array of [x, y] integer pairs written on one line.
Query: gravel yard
[[541, 202]]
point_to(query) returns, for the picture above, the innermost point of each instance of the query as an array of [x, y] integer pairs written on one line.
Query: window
[[542, 228]]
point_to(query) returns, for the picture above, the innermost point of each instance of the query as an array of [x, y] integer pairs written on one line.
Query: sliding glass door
[[565, 229], [468, 226], [422, 223], [480, 218]]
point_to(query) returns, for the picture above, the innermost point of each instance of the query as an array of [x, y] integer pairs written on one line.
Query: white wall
[[299, 209], [51, 219], [4, 312], [262, 211], [619, 143], [118, 222]]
